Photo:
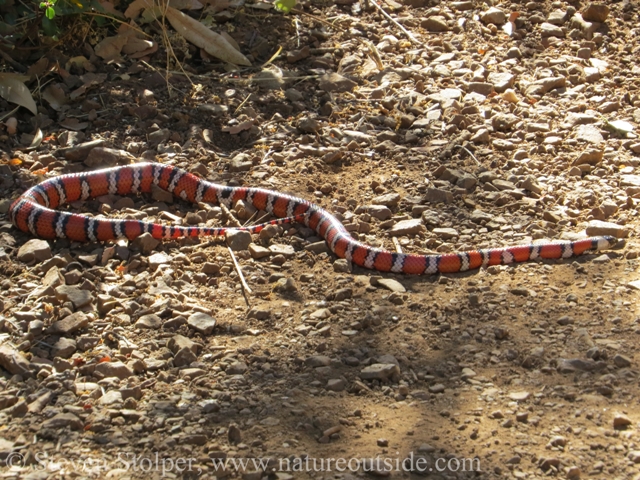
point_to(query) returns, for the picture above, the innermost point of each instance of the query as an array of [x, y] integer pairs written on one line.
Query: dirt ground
[[122, 359]]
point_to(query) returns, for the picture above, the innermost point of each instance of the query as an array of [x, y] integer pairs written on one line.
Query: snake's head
[[607, 242]]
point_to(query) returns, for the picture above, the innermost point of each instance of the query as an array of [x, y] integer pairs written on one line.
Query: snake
[[36, 212]]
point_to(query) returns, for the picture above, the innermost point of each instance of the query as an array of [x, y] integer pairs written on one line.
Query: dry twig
[[390, 18]]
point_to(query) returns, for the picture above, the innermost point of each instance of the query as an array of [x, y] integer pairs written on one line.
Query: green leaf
[[50, 13], [49, 27], [285, 5]]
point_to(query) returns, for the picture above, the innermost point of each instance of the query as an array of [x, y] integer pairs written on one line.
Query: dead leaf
[[13, 89], [110, 8], [135, 7], [37, 140], [79, 61], [90, 79], [12, 125], [148, 51], [215, 6], [73, 124], [39, 68], [235, 129], [135, 45], [78, 92], [231, 40], [55, 96], [510, 26], [109, 49], [204, 38]]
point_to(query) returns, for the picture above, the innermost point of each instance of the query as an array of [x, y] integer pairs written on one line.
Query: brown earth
[[527, 371]]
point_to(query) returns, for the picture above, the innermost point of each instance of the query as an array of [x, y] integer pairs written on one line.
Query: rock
[[435, 24], [501, 81], [407, 227], [620, 420], [435, 195], [13, 361], [542, 86], [557, 17], [112, 397], [34, 251], [380, 212], [113, 369], [234, 435], [482, 88], [286, 285], [598, 227], [467, 373], [316, 361], [592, 156], [390, 284], [308, 125], [78, 153], [545, 464], [107, 157], [493, 15], [503, 122], [257, 251], [150, 321], [621, 361], [334, 82], [551, 30], [240, 163], [237, 368], [437, 388], [285, 250], [184, 357], [634, 456], [388, 200], [519, 396], [342, 265], [503, 184], [380, 371], [445, 233], [260, 312], [589, 133], [63, 420], [238, 240], [630, 180], [158, 259], [79, 298], [596, 12], [63, 348], [570, 365], [202, 323], [336, 385], [160, 195], [158, 137], [69, 324]]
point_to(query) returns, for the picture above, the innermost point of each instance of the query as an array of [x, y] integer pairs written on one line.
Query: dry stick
[[396, 244], [245, 288], [115, 19], [390, 18], [243, 282], [469, 152], [317, 19]]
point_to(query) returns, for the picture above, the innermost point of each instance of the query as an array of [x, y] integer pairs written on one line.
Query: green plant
[[49, 11], [285, 5]]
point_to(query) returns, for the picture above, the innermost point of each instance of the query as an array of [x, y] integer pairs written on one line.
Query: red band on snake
[[34, 212]]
